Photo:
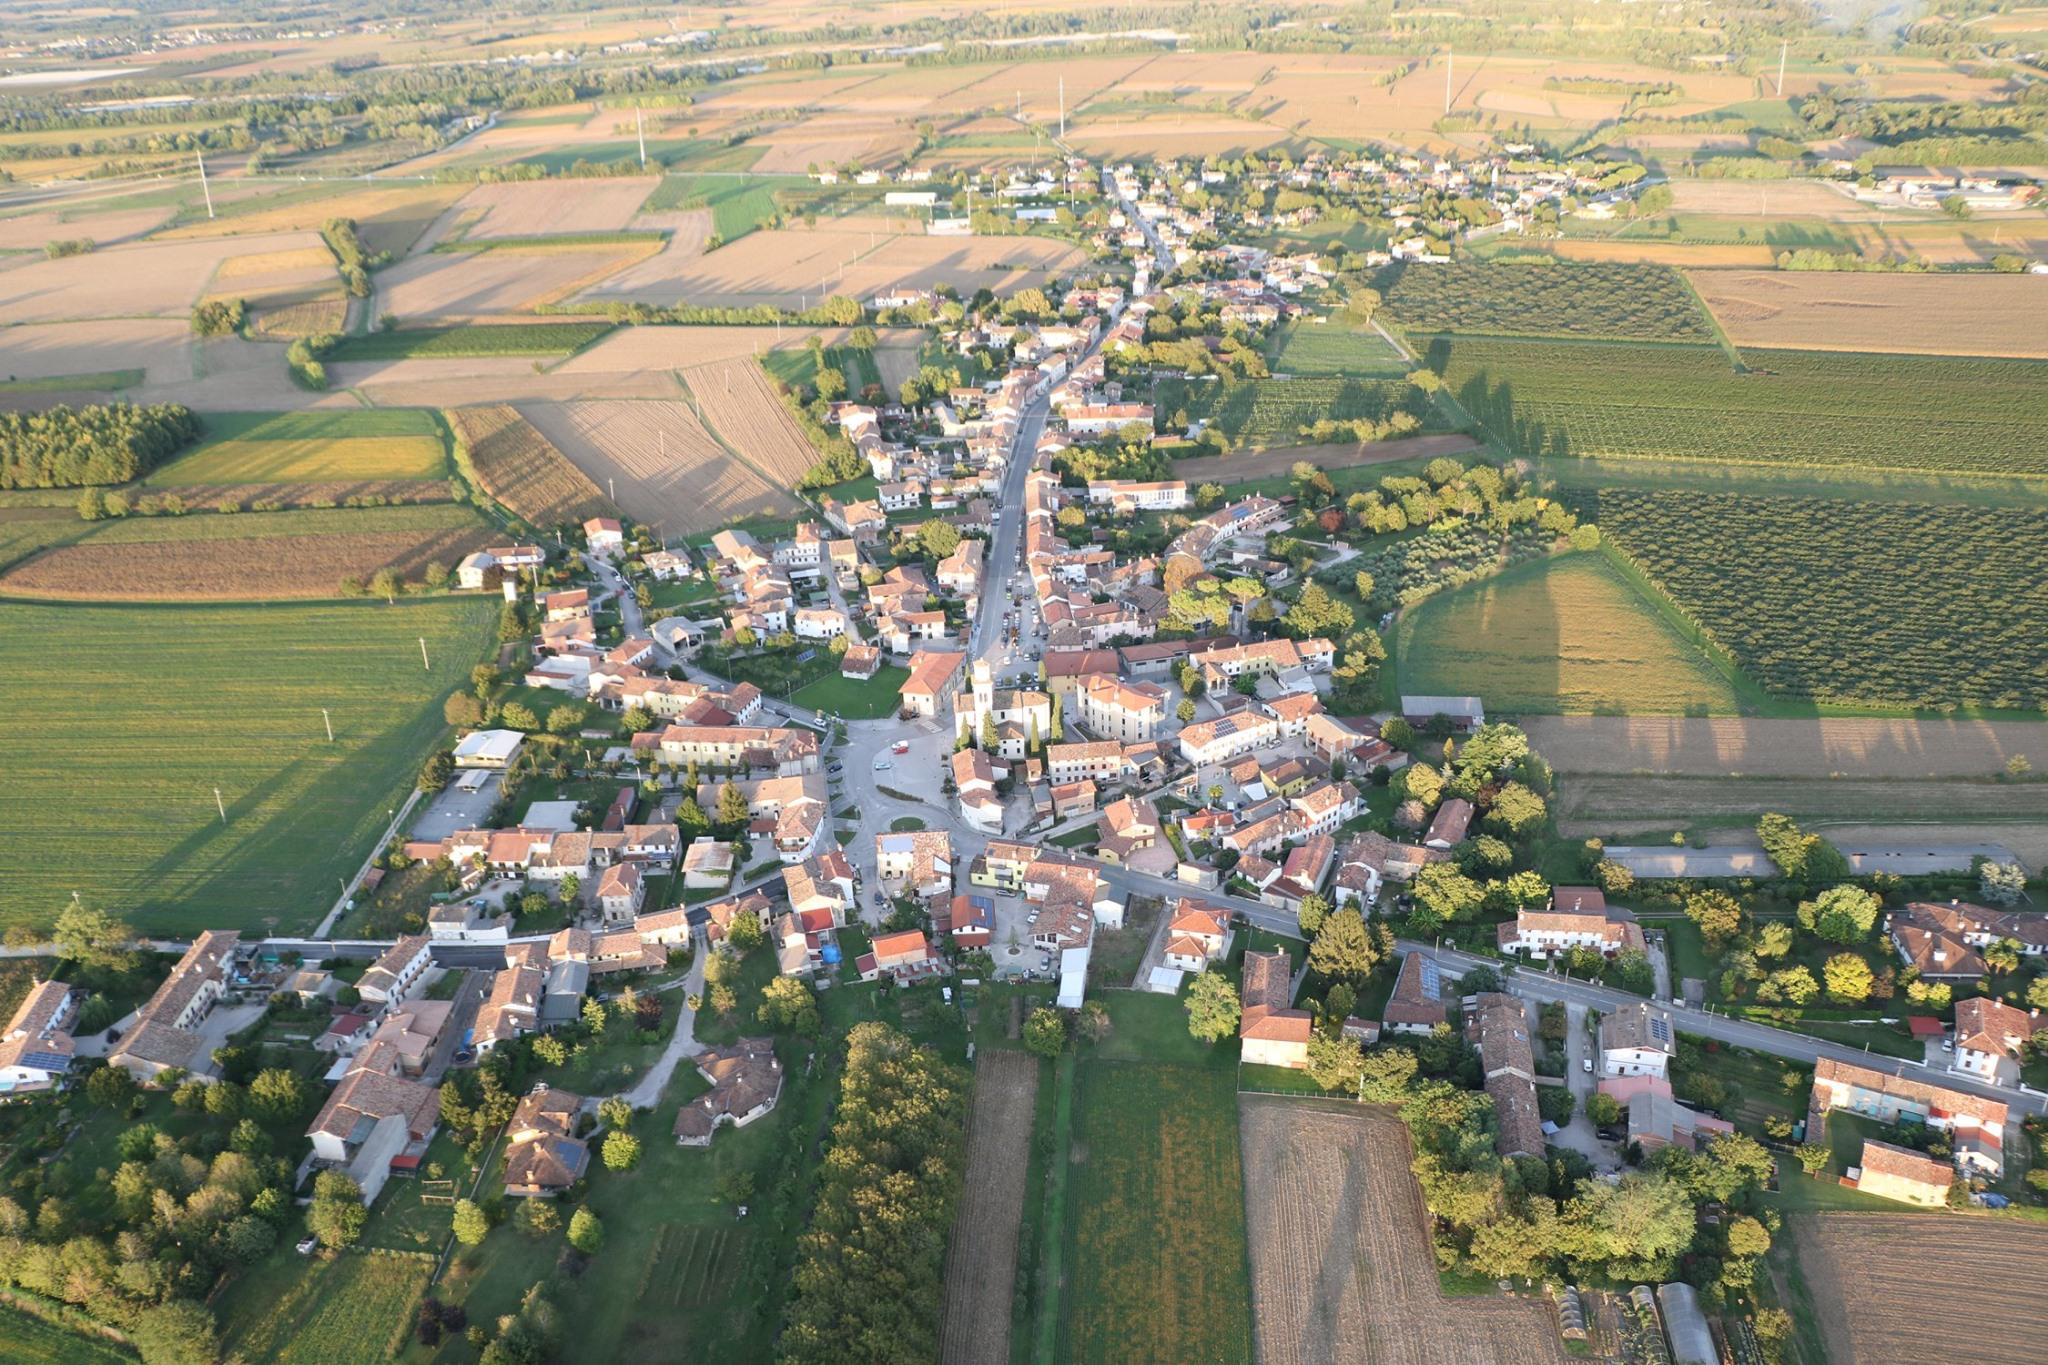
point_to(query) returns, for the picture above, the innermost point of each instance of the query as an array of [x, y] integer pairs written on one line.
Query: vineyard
[[521, 470], [1932, 414], [1865, 604], [1873, 1276], [1330, 347], [1271, 412], [1590, 299], [265, 448], [1443, 557], [512, 338]]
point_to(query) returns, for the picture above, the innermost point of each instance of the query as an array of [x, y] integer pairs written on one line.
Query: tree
[[1840, 914], [110, 1087], [93, 938], [1093, 1022], [518, 716], [1640, 1219], [1212, 1008], [1045, 1032], [538, 1218], [1815, 1156], [1792, 985], [2001, 883], [277, 1095], [1343, 950], [1603, 1109], [787, 1003], [732, 805], [938, 538], [471, 1226], [1747, 1237], [566, 720], [621, 1150], [1419, 782], [1517, 809], [586, 1232], [175, 1332], [1185, 712], [2037, 993], [1446, 893], [337, 1215], [1718, 914], [435, 772], [462, 711], [1774, 939], [745, 934], [1334, 1061], [1314, 909], [1848, 978], [1315, 612], [1555, 1103]]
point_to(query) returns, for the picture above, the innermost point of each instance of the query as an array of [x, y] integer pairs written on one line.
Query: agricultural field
[[456, 285], [215, 696], [1784, 409], [30, 231], [1804, 592], [981, 1253], [326, 312], [339, 446], [665, 468], [37, 351], [136, 280], [521, 470], [1808, 746], [33, 1341], [543, 209], [505, 339], [1599, 802], [1989, 315], [1342, 1267], [353, 1308], [1872, 1276], [1569, 635], [1155, 1223], [1330, 347], [1257, 413], [737, 400], [387, 219], [1594, 299], [1276, 463], [257, 556], [737, 204]]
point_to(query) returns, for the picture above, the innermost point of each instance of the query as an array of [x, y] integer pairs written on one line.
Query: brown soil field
[[387, 219], [1342, 1267], [1657, 253], [777, 265], [218, 570], [1875, 1278], [640, 350], [308, 317], [1793, 747], [1593, 802], [457, 285], [822, 143], [665, 467], [1914, 314], [739, 402], [31, 231], [1002, 264], [267, 268], [1766, 199], [540, 208], [522, 470], [1229, 469], [981, 1254], [50, 350], [142, 279], [1163, 138]]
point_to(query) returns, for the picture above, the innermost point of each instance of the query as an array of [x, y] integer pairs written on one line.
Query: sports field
[[111, 783], [317, 447], [1567, 636]]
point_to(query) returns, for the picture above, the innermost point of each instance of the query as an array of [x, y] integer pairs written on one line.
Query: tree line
[[66, 447]]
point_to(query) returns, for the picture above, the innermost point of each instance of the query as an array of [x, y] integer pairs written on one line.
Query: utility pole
[[220, 806], [1782, 45], [640, 128], [204, 188], [424, 662], [329, 722], [1450, 65]]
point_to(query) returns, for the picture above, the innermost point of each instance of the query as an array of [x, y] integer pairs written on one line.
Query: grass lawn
[[1885, 1040], [33, 1341], [312, 447], [677, 594], [612, 1061], [1751, 1085], [115, 799], [1331, 347], [1155, 1245], [1117, 952], [353, 1307], [879, 696], [1566, 635]]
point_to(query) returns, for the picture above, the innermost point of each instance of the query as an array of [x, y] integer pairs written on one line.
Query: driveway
[[1579, 1134], [646, 1092]]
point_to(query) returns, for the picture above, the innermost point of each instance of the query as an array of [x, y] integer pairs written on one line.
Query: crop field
[[981, 1253], [1805, 593], [514, 339], [1567, 635], [1630, 302], [319, 447], [354, 1308], [1783, 746], [481, 284], [1598, 802], [326, 312], [1652, 251], [29, 231], [1246, 467], [1255, 413], [521, 470], [666, 467], [32, 1341], [152, 559], [1155, 1225], [1331, 347], [543, 209], [387, 219], [51, 350], [1873, 1276], [739, 402], [1791, 408], [140, 279], [737, 205], [1921, 314], [1342, 1267], [190, 698], [630, 350]]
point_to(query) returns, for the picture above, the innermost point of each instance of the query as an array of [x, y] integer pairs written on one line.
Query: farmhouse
[[391, 980], [1989, 1037], [1196, 935], [36, 1050], [746, 1081], [1903, 1174], [604, 536], [1447, 830], [1636, 1039], [904, 956], [373, 1116], [1579, 917], [1100, 761], [1369, 859], [1977, 1124], [786, 752], [1943, 942], [915, 862], [543, 1155], [1499, 1028], [1270, 1031], [1417, 1004], [166, 1033]]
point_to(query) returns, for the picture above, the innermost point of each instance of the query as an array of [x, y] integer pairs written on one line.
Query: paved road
[[646, 1092], [1904, 860]]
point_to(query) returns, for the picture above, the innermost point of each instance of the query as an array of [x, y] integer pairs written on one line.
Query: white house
[[373, 1116], [1637, 1040], [35, 1052], [393, 978], [604, 536]]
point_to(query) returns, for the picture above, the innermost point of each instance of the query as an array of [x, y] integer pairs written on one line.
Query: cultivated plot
[[981, 1254], [1874, 1274], [1783, 747], [141, 279], [522, 470], [453, 286], [324, 447], [550, 208], [1988, 315], [741, 405], [52, 350]]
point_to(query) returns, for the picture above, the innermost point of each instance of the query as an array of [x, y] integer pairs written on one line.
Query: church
[[1019, 717]]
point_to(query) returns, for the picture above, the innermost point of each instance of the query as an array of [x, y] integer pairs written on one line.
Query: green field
[[1589, 299], [520, 338], [879, 696], [1922, 414], [1155, 1249], [111, 782], [355, 1308], [1880, 604], [1257, 413], [1330, 347], [312, 447], [98, 379], [738, 204], [32, 1341], [1567, 635]]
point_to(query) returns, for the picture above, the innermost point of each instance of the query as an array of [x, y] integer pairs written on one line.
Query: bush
[[219, 317]]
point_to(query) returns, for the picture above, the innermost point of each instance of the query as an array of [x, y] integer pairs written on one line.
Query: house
[[1136, 496], [1900, 1173], [543, 1155], [1110, 708], [905, 956], [666, 565], [974, 782], [1936, 941], [1125, 826], [1002, 864], [933, 683], [569, 605], [860, 662], [786, 752], [1499, 1028], [36, 1050], [490, 749], [1073, 798], [746, 1081], [1465, 714], [715, 921], [398, 972], [1099, 760], [620, 892], [1197, 934], [1213, 741], [1270, 1031], [972, 921], [1417, 1004], [1368, 860], [512, 1003], [825, 883], [1637, 1039], [1579, 917], [166, 1033], [413, 1031], [1976, 1124], [604, 537], [1989, 1037], [1453, 818], [346, 1031], [373, 1116], [915, 862]]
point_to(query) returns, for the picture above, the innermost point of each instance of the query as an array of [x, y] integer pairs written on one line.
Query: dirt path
[[981, 1254], [1267, 463]]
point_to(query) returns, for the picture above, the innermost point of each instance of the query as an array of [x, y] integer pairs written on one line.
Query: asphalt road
[[1903, 860]]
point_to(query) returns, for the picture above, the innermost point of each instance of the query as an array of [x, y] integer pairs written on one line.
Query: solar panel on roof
[[1432, 977], [1660, 1030]]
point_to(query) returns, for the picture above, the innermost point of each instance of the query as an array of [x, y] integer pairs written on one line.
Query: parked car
[[883, 765], [1586, 1065]]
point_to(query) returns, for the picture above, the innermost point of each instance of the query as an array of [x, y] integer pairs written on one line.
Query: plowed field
[[665, 467], [1875, 1275], [981, 1256], [740, 404], [522, 470]]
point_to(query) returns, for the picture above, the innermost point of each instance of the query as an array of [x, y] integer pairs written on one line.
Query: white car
[[883, 765]]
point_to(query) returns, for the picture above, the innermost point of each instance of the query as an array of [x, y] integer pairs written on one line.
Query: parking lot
[[456, 809]]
